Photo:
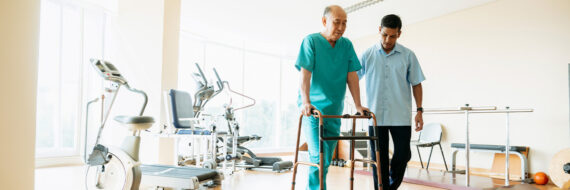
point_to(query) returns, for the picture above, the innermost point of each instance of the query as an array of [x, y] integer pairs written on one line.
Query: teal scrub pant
[[311, 131]]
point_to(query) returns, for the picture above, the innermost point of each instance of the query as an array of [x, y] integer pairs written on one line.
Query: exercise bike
[[118, 168]]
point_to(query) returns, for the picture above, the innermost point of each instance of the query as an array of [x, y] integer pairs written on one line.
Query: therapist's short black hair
[[391, 21]]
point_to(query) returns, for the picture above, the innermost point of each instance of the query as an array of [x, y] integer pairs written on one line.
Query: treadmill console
[[108, 71]]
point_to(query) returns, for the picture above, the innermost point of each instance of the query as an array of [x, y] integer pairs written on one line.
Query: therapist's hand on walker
[[306, 109], [419, 121], [361, 110]]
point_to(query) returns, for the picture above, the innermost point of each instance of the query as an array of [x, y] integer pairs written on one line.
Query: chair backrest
[[431, 133], [182, 107]]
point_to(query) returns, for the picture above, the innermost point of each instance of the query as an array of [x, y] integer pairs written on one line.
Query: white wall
[[19, 21], [147, 35], [505, 53], [140, 35]]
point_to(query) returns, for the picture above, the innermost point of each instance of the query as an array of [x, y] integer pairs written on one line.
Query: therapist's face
[[389, 37], [335, 24]]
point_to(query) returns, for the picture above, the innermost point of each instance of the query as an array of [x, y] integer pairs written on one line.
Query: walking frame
[[322, 138]]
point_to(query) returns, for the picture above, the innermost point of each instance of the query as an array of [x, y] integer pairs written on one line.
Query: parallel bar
[[478, 111], [463, 108], [505, 111]]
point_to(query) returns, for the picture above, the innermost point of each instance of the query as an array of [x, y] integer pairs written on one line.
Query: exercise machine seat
[[123, 119], [181, 108], [135, 123]]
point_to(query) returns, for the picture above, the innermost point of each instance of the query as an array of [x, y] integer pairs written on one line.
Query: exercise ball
[[540, 178]]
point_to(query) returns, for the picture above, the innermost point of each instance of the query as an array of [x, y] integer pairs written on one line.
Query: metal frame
[[466, 110], [352, 139], [524, 161]]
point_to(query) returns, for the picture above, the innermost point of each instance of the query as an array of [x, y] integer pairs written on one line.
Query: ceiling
[[279, 26]]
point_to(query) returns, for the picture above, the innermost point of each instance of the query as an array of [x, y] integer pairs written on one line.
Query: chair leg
[[427, 167], [444, 163], [454, 160], [420, 155]]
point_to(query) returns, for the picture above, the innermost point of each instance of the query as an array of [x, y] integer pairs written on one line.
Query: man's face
[[335, 24], [389, 37]]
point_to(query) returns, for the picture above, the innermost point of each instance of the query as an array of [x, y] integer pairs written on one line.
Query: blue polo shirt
[[329, 67], [389, 78]]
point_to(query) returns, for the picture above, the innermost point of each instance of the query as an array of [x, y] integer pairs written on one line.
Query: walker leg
[[321, 155], [352, 142], [380, 185], [296, 153]]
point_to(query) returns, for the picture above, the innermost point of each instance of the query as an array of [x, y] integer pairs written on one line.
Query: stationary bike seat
[[123, 119], [135, 123]]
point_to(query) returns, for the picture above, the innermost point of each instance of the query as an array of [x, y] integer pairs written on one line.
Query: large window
[[262, 81], [289, 113], [269, 78], [266, 76], [69, 35]]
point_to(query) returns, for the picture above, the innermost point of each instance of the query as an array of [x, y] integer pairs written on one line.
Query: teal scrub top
[[329, 67]]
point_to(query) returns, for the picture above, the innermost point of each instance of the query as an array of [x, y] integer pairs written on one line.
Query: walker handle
[[366, 113], [313, 111]]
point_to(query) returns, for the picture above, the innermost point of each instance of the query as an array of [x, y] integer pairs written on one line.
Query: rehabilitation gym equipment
[[115, 168], [222, 148], [507, 149]]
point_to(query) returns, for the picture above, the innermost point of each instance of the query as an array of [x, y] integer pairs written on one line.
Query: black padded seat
[[488, 147], [269, 160], [134, 119]]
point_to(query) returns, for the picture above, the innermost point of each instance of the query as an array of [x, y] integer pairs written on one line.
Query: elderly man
[[327, 63]]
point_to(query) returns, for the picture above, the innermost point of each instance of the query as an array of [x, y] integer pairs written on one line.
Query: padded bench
[[516, 150]]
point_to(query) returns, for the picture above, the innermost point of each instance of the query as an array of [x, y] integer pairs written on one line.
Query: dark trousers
[[392, 172]]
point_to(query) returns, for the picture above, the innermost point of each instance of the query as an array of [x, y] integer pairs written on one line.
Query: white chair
[[429, 137]]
